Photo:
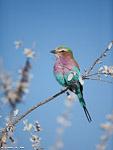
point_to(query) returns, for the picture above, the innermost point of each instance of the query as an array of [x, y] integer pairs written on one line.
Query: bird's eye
[[63, 51]]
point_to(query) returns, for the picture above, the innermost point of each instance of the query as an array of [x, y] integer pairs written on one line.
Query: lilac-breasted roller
[[67, 73]]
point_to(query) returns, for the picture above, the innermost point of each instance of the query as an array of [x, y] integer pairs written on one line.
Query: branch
[[30, 110], [103, 54], [99, 80], [5, 130], [97, 73]]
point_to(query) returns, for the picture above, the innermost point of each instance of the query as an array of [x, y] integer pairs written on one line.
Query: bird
[[67, 73]]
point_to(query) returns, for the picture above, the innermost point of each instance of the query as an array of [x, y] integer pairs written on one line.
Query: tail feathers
[[87, 114], [83, 104]]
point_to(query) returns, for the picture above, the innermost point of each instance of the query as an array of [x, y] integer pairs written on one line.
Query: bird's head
[[62, 51]]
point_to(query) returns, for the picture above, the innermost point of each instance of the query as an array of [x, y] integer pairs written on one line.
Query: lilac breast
[[63, 65]]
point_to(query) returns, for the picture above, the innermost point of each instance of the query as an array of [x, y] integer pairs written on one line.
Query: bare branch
[[97, 73], [25, 78], [98, 80], [30, 110], [103, 54]]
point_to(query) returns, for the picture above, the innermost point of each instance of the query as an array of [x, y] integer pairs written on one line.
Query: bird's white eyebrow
[[60, 50]]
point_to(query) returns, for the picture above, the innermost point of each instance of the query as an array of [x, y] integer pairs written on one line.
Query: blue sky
[[85, 27]]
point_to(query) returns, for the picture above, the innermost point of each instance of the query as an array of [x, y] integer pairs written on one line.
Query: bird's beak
[[53, 51]]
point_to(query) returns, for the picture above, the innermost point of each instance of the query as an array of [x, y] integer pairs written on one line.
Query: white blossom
[[17, 44], [32, 140], [106, 125], [22, 84], [85, 69], [99, 62], [20, 71], [71, 99], [25, 128], [59, 144], [16, 112], [100, 69], [29, 52], [12, 94], [104, 137], [36, 122], [108, 70], [35, 137], [59, 131], [25, 90], [110, 45], [63, 121], [25, 121], [101, 147], [28, 127], [110, 117], [106, 67]]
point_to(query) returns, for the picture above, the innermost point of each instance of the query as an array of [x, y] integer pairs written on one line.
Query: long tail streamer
[[87, 114]]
